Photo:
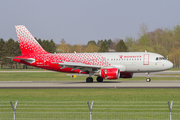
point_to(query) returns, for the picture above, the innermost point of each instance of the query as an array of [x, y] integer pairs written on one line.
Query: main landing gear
[[90, 79], [148, 79], [99, 79]]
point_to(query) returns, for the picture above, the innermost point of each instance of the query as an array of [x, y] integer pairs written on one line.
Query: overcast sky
[[78, 21]]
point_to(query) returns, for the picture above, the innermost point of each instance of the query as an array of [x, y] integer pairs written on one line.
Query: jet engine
[[109, 73], [126, 75]]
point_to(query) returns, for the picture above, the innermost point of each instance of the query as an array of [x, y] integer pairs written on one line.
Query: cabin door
[[146, 59]]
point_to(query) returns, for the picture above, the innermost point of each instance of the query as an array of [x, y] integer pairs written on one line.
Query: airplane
[[103, 65]]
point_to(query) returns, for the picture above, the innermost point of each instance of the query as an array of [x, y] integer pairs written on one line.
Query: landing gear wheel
[[148, 80], [99, 79], [89, 79]]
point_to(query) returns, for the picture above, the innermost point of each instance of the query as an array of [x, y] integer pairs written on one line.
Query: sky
[[79, 21]]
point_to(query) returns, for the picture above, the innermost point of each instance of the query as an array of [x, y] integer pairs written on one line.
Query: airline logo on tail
[[27, 42]]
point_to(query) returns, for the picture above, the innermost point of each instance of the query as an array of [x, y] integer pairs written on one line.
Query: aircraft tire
[[89, 79], [148, 80], [99, 79]]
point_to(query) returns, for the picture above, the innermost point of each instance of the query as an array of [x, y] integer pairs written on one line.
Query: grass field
[[112, 103], [69, 104], [29, 97]]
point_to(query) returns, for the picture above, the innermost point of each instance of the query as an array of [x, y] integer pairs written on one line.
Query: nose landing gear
[[148, 79]]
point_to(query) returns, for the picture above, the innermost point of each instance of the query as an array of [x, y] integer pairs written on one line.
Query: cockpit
[[160, 58]]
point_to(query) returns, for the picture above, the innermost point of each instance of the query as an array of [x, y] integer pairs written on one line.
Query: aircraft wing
[[81, 66]]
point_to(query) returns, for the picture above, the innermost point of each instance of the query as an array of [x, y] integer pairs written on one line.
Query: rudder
[[27, 42]]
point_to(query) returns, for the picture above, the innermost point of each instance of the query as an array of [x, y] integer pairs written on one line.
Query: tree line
[[11, 48], [117, 45], [162, 41]]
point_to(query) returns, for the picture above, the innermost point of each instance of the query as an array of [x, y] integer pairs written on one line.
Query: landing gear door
[[146, 59], [46, 61]]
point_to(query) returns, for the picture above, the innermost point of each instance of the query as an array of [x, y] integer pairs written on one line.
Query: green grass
[[116, 97], [90, 94], [111, 103], [174, 69]]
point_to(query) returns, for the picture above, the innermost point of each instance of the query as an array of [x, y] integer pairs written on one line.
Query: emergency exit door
[[146, 59]]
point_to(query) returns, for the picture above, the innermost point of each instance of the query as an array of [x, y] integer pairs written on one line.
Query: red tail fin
[[27, 42]]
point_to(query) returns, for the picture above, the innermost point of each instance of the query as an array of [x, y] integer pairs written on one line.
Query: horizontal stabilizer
[[29, 60], [9, 57]]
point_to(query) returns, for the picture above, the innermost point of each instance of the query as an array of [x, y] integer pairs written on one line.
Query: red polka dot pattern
[[31, 48], [27, 42]]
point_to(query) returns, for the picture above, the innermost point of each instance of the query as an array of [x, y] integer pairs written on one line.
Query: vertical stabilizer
[[27, 42]]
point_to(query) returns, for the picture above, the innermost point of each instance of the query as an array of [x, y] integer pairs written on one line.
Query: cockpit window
[[160, 58]]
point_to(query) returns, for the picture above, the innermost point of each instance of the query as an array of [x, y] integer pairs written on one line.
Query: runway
[[106, 83], [81, 84]]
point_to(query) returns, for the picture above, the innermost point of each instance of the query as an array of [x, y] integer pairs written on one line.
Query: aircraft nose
[[170, 64]]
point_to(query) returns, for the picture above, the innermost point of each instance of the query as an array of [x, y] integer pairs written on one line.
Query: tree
[[121, 47], [109, 42], [63, 41], [114, 43], [47, 45], [99, 43], [175, 55], [63, 48], [2, 43], [91, 48], [143, 29], [91, 42], [144, 40], [78, 48], [52, 46], [103, 47], [130, 42]]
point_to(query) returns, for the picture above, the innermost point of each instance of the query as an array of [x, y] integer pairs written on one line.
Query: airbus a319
[[103, 65]]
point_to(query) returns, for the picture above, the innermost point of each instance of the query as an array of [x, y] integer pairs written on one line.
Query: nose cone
[[169, 65]]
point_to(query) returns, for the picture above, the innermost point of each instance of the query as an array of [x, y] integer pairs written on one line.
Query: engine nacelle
[[109, 73], [126, 75]]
